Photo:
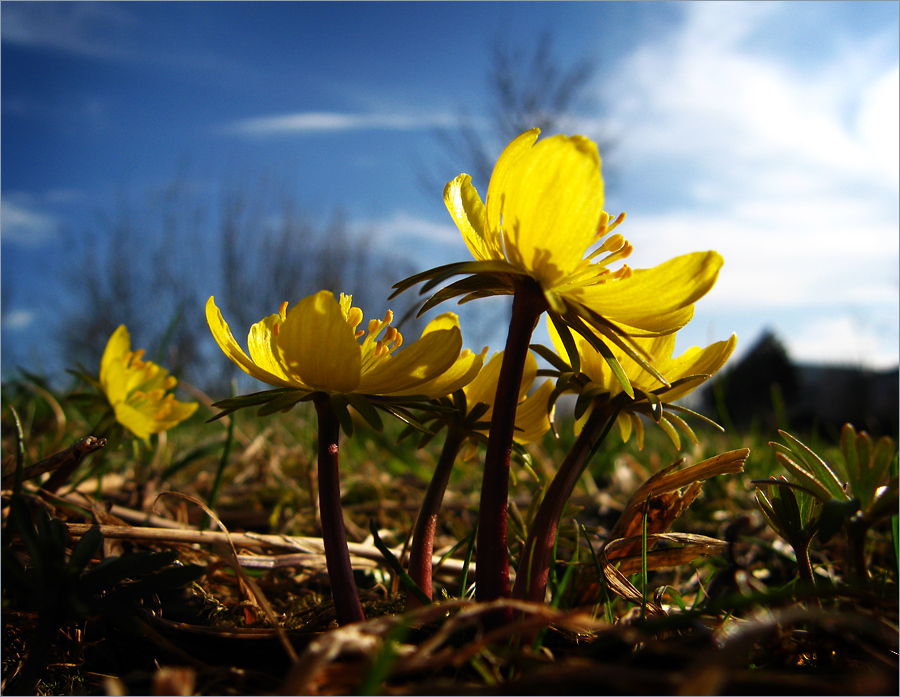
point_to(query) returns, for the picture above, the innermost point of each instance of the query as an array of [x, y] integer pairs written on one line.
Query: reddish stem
[[423, 538], [537, 555], [492, 562], [334, 536]]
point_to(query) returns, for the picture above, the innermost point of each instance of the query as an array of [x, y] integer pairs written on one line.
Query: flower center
[[375, 350]]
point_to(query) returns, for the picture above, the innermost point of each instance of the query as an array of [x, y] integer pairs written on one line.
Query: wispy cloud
[[17, 320], [403, 225], [21, 224], [326, 121], [791, 171], [83, 28]]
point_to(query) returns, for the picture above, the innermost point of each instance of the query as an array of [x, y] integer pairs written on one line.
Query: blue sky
[[767, 131]]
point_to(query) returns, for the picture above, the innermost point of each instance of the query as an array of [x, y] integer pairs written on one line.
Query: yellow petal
[[316, 344], [112, 377], [532, 419], [505, 172], [551, 207], [414, 366], [467, 211], [225, 339], [136, 421], [261, 345], [654, 299], [484, 387], [458, 375], [697, 361]]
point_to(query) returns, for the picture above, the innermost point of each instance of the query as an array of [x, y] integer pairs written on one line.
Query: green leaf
[[283, 403], [682, 425], [621, 339], [552, 358], [802, 476], [403, 415], [597, 343], [816, 466], [232, 404], [568, 341], [366, 410], [339, 405], [394, 563], [112, 570], [689, 412], [670, 432]]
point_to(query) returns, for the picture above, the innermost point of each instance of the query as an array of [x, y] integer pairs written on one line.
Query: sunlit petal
[[484, 387], [552, 207], [458, 375], [226, 341], [316, 343], [261, 346], [697, 361], [651, 298], [425, 359], [467, 211], [505, 172]]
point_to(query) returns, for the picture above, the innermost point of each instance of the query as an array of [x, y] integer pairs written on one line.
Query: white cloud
[[844, 340], [403, 225], [21, 224], [789, 170], [85, 28], [323, 121], [16, 320]]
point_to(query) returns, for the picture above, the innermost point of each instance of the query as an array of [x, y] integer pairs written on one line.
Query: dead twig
[[62, 463]]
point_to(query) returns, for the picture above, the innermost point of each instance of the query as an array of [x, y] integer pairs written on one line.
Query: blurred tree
[[153, 266], [526, 90]]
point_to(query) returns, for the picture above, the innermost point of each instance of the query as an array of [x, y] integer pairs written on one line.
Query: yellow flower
[[137, 389], [544, 214], [532, 413], [315, 347], [684, 373]]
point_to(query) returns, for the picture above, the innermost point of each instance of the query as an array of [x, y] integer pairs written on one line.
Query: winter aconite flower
[[651, 397], [315, 347], [543, 223], [137, 389], [601, 401], [313, 352], [542, 236]]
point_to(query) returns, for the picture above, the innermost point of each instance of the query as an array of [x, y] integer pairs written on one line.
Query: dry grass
[[713, 606]]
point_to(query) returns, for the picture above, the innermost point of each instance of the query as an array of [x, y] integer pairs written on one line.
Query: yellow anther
[[354, 317], [615, 223], [623, 273], [614, 243], [282, 310]]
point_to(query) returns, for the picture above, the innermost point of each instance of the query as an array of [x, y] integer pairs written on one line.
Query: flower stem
[[423, 536], [334, 537], [492, 562], [858, 573], [537, 555]]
